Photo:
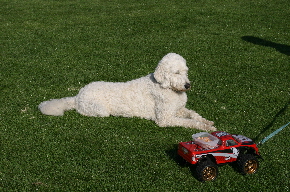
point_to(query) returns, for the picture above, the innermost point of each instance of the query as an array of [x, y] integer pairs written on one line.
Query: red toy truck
[[206, 150]]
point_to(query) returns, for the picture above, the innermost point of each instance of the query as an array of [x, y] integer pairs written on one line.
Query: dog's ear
[[161, 73]]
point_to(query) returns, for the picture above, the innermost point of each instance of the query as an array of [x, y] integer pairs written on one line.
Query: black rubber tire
[[206, 170], [247, 164]]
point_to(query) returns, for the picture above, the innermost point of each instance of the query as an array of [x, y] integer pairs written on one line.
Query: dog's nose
[[187, 85]]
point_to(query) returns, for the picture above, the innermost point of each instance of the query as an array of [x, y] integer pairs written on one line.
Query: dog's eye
[[177, 72]]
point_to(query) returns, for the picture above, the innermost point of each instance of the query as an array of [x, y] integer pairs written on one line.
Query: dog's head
[[171, 72]]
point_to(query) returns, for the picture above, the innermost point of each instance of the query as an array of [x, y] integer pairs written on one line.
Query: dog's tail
[[57, 107]]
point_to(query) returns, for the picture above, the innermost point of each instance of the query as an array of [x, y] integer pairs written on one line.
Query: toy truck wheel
[[206, 170], [248, 164]]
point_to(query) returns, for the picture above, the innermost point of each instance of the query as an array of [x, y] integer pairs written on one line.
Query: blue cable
[[272, 134]]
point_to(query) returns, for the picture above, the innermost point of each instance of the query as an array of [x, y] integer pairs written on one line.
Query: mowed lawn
[[238, 54]]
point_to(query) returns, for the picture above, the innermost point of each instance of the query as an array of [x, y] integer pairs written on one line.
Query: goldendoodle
[[159, 96]]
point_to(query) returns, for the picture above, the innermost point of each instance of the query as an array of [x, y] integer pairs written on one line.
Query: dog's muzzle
[[187, 86]]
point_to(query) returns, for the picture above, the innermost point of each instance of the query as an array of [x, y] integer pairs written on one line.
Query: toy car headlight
[[185, 151]]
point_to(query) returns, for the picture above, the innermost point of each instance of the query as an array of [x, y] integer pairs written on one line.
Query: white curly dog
[[159, 96]]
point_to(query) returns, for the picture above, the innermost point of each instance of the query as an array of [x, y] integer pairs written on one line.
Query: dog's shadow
[[285, 49]]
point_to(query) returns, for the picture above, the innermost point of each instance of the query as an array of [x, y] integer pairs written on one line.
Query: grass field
[[238, 53]]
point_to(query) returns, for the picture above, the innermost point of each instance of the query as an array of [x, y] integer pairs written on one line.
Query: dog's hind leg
[[92, 109]]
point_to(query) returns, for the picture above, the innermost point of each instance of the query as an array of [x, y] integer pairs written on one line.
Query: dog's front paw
[[211, 123], [209, 128]]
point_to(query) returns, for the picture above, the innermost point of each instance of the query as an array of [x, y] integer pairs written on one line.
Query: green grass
[[52, 48]]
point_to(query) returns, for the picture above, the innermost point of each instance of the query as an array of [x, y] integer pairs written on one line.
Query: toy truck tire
[[206, 170], [247, 164]]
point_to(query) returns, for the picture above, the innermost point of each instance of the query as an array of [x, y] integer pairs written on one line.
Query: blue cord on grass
[[272, 134]]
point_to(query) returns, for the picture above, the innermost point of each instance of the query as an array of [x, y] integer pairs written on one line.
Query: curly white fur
[[159, 96]]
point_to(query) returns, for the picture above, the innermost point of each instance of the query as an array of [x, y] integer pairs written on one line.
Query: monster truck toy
[[208, 150]]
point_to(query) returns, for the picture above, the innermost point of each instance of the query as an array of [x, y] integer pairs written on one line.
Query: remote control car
[[207, 150]]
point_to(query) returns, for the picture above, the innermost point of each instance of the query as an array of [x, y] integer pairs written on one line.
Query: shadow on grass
[[285, 49], [172, 153], [267, 127]]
